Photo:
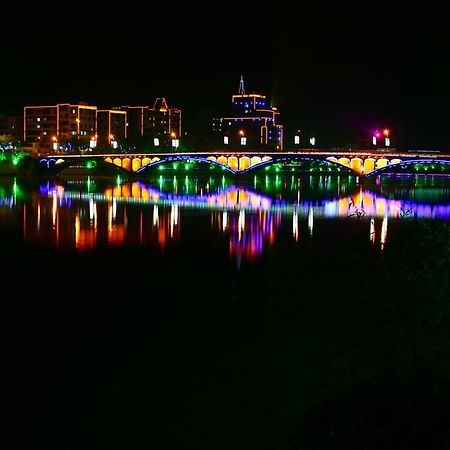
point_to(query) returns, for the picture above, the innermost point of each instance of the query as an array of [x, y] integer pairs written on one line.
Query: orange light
[[172, 134], [241, 132], [386, 132], [54, 138]]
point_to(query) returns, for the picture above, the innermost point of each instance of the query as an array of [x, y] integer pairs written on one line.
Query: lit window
[[297, 140], [243, 140], [225, 139], [44, 133], [38, 126], [38, 119], [74, 111]]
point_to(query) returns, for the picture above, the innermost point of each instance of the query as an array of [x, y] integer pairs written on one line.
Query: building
[[111, 127], [158, 124], [252, 124], [59, 126]]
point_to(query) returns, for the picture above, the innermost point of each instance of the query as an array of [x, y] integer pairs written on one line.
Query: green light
[[15, 161], [161, 167]]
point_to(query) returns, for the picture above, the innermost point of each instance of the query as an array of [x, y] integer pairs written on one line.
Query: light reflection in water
[[73, 215]]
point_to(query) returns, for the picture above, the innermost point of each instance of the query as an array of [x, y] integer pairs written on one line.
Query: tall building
[[157, 122], [252, 124], [59, 125], [111, 127]]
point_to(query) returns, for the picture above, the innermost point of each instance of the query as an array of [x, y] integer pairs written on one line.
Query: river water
[[184, 310]]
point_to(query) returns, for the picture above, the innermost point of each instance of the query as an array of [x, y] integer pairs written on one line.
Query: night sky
[[333, 69]]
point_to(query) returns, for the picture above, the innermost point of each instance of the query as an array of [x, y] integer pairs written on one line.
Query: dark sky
[[335, 69]]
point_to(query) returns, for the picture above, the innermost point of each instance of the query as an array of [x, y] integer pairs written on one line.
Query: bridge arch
[[325, 162], [181, 158], [58, 164], [416, 166]]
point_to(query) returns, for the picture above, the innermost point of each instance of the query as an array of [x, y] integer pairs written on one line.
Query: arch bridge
[[365, 162]]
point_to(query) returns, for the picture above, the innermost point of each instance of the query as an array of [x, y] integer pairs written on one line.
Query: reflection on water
[[85, 214]]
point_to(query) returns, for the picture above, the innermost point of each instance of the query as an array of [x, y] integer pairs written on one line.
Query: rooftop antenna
[[241, 86]]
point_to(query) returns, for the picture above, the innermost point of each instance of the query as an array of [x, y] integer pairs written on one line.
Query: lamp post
[[112, 141], [93, 142], [175, 141], [243, 138], [387, 140], [375, 137]]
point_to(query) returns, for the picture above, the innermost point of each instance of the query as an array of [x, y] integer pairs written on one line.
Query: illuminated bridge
[[363, 162]]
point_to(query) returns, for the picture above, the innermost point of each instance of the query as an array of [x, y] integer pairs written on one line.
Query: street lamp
[[243, 138], [387, 141], [113, 142], [375, 136], [93, 142], [175, 141]]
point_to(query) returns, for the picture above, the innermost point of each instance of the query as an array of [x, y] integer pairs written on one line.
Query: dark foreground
[[333, 347]]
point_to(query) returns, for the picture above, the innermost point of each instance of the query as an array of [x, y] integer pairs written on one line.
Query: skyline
[[334, 70]]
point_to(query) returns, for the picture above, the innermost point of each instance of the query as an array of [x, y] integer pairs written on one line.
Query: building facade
[[156, 124], [72, 127], [60, 126], [111, 127], [252, 124]]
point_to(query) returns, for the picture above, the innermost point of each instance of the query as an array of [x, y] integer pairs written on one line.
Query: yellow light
[[111, 136], [241, 132], [54, 138], [172, 134]]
